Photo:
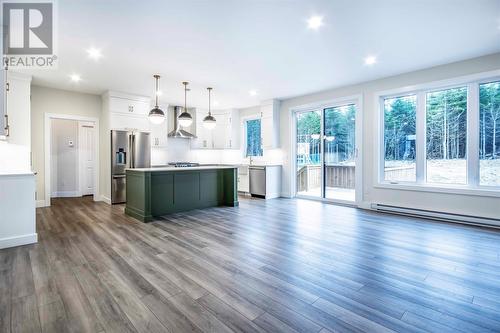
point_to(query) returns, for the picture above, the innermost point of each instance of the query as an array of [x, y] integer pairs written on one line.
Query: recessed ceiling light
[[94, 53], [370, 60], [75, 78], [252, 92], [315, 22]]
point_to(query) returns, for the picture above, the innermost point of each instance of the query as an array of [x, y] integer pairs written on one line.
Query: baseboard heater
[[440, 216]]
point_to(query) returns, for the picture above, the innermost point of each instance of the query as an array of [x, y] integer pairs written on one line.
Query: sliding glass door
[[326, 153], [309, 154], [340, 152]]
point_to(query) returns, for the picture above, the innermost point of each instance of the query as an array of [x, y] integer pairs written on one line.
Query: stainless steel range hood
[[176, 130]]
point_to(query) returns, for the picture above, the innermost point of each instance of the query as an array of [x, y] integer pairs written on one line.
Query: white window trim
[[473, 187], [357, 100]]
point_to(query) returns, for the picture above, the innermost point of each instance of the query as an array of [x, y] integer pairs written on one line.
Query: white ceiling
[[239, 45]]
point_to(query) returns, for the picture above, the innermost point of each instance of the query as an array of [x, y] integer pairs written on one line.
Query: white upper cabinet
[[220, 132], [225, 135], [203, 136], [127, 112], [270, 124], [18, 109], [3, 103], [129, 106]]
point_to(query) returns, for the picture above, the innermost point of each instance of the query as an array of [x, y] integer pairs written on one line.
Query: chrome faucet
[[251, 160]]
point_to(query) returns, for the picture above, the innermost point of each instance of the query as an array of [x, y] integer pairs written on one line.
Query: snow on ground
[[444, 171]]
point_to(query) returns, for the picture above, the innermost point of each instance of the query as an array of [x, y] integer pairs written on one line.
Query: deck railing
[[342, 176]]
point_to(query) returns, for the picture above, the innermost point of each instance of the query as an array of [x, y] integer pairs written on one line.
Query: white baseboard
[[105, 199], [41, 203], [18, 240], [365, 205], [66, 194]]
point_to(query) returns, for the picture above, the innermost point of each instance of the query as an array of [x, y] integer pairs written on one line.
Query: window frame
[[381, 173], [473, 186]]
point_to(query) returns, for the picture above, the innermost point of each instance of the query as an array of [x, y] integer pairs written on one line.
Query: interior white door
[[87, 157]]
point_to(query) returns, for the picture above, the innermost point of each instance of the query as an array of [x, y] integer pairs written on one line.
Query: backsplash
[[179, 150]]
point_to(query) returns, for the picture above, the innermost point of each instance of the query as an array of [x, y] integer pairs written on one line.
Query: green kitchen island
[[160, 191]]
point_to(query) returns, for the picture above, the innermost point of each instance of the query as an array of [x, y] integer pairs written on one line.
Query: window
[[400, 115], [489, 134], [446, 136], [253, 139]]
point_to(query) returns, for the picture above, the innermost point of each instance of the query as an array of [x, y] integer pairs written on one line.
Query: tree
[[447, 123], [309, 123], [399, 128], [489, 110]]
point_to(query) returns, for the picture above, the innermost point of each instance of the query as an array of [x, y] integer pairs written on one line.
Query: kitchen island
[[158, 191]]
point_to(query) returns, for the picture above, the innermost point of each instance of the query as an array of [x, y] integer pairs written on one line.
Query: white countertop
[[261, 165], [172, 168], [16, 173]]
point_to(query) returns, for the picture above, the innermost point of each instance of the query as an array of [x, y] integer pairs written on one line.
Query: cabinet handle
[[7, 86], [230, 144], [130, 108], [7, 127]]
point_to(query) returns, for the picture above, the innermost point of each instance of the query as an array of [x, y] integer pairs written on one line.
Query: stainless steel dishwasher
[[257, 175]]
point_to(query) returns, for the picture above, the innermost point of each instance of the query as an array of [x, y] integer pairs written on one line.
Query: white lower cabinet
[[265, 181], [243, 180], [17, 210]]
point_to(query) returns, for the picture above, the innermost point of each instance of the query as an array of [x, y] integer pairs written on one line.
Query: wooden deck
[[266, 266]]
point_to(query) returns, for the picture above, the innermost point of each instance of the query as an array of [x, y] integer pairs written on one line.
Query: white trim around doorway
[[47, 149], [358, 101]]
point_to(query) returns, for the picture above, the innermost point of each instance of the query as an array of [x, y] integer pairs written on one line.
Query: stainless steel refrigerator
[[128, 150]]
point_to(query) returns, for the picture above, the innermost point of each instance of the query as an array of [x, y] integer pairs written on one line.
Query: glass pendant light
[[156, 115], [209, 121], [185, 119]]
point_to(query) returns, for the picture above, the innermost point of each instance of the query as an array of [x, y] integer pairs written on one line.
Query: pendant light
[[156, 116], [185, 119], [209, 121]]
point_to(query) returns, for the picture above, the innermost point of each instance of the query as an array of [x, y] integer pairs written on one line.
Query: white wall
[[64, 157], [461, 204], [55, 101]]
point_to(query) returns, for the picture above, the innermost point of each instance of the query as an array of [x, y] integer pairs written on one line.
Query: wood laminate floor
[[266, 266]]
